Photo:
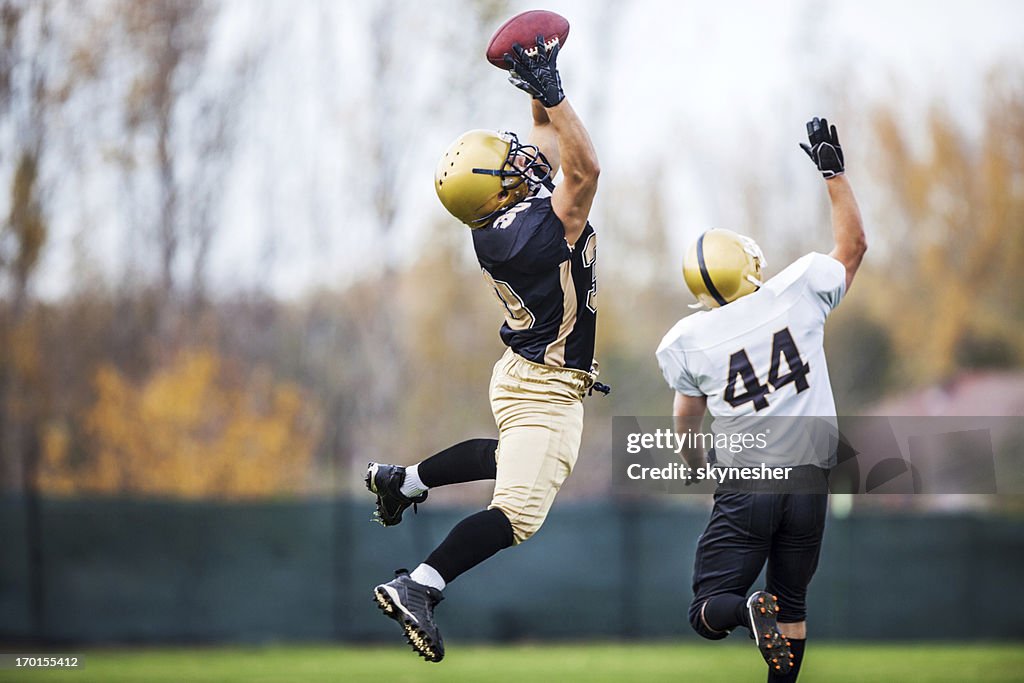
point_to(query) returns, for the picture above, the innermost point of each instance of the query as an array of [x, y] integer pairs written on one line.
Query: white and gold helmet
[[722, 266], [485, 172]]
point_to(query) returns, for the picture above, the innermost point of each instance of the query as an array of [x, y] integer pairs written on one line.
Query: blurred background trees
[[196, 428], [135, 136]]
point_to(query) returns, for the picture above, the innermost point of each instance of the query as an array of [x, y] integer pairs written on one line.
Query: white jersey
[[762, 354]]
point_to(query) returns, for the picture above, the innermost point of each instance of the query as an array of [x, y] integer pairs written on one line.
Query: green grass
[[593, 663]]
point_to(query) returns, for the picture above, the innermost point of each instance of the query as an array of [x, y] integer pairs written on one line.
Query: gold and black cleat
[[412, 605], [763, 609]]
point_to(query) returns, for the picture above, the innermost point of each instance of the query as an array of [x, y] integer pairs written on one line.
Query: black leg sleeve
[[720, 614], [797, 648], [472, 541], [471, 460], [725, 612]]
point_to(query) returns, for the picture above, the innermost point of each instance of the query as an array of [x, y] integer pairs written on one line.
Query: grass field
[[593, 663]]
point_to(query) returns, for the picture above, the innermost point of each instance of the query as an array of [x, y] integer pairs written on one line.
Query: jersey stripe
[[555, 352]]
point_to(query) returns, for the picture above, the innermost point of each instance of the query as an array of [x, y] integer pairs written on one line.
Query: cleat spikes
[[762, 610], [412, 605]]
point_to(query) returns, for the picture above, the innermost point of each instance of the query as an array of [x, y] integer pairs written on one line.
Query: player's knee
[[523, 525], [700, 626], [523, 528]]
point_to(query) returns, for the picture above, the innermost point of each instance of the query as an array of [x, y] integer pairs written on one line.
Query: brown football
[[524, 29]]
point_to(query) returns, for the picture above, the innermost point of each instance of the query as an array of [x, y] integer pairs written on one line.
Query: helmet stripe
[[706, 276]]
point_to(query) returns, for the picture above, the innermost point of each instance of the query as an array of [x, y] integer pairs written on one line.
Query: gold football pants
[[539, 413]]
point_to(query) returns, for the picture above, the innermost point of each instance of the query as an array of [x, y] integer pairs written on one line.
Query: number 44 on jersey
[[740, 370]]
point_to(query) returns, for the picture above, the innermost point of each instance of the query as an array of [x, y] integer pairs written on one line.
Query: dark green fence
[[124, 571]]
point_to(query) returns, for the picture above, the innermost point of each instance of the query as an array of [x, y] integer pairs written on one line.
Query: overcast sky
[[701, 88]]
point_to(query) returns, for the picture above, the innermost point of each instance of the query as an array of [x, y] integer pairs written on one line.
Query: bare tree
[[179, 129], [26, 94]]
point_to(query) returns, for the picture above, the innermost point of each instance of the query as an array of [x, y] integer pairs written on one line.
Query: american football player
[[756, 350], [537, 252]]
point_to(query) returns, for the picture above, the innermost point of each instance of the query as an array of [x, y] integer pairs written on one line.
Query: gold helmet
[[723, 266], [485, 172]]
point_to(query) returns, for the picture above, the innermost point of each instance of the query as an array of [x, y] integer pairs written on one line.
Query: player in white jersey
[[755, 353], [717, 352], [761, 357]]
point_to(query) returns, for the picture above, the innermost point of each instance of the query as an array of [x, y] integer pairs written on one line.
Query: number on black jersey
[[506, 219], [783, 348], [589, 259]]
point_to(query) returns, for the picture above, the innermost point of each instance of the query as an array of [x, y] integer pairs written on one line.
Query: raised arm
[[847, 226], [544, 136], [572, 199], [538, 75]]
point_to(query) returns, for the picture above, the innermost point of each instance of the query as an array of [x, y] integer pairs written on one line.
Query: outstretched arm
[[538, 75], [847, 226], [544, 136], [572, 199]]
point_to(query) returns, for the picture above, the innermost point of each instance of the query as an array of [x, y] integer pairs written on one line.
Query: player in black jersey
[[537, 253]]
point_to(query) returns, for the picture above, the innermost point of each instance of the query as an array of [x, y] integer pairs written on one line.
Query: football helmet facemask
[[485, 172], [722, 266]]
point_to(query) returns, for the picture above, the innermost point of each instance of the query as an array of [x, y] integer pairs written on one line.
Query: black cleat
[[386, 482], [412, 605], [763, 608]]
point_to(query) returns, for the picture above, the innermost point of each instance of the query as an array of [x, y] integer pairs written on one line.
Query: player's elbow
[[587, 164], [861, 244], [853, 248], [584, 174]]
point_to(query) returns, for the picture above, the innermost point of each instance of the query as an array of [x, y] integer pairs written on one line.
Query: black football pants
[[748, 529]]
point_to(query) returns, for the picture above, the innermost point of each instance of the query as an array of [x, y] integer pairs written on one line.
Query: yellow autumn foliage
[[196, 428], [954, 211]]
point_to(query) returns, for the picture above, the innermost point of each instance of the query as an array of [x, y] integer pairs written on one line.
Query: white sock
[[412, 486], [428, 576]]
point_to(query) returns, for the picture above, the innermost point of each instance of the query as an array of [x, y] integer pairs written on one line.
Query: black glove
[[536, 74], [824, 149]]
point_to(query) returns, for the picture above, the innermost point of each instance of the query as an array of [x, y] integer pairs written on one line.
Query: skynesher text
[[680, 472]]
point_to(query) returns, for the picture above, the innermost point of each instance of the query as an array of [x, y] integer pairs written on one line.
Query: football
[[524, 29]]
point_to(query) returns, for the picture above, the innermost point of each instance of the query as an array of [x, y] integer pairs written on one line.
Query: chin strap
[[546, 181]]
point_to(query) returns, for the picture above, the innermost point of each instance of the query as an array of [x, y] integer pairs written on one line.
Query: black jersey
[[547, 288]]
